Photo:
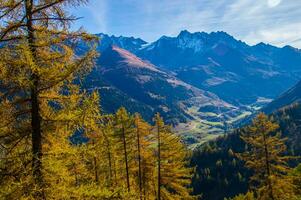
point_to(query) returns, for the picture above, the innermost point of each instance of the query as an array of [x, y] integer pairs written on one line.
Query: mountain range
[[230, 68], [204, 83]]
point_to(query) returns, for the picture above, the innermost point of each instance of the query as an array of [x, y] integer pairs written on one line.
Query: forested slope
[[219, 173]]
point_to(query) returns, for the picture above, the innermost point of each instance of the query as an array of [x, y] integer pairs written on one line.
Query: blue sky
[[271, 21]]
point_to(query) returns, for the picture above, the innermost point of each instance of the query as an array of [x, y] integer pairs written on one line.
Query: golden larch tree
[[125, 135], [38, 97], [265, 155], [173, 174], [145, 158]]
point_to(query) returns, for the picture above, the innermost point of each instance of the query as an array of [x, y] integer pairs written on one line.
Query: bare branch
[[11, 9], [43, 7], [12, 28], [57, 18]]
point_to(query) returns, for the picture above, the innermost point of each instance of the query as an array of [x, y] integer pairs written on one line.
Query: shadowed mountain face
[[291, 96]]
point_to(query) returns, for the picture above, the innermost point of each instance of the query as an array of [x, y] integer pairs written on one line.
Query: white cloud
[[279, 36], [273, 3], [252, 21]]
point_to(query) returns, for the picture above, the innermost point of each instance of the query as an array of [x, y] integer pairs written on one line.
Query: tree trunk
[[115, 172], [95, 166], [110, 162], [126, 160], [268, 170], [95, 170], [143, 182], [139, 160], [35, 110], [159, 163]]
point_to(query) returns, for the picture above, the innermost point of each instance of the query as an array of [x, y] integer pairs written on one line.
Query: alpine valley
[[192, 116], [202, 83]]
